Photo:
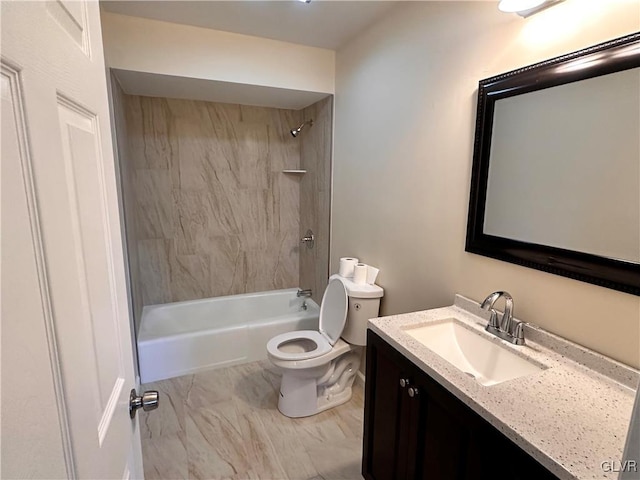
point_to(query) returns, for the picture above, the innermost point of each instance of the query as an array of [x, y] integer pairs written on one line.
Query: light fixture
[[305, 1], [526, 8]]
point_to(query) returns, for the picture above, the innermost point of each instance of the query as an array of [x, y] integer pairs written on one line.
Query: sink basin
[[475, 355]]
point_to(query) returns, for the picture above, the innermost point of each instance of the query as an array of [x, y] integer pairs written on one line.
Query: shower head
[[296, 131]]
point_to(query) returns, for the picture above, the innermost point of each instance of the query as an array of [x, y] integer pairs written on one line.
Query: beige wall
[[405, 111], [315, 195], [151, 46], [214, 214]]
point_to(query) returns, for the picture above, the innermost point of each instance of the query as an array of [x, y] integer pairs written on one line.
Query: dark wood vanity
[[414, 428]]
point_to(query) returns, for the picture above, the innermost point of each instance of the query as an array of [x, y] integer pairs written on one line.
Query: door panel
[[56, 47], [82, 169], [71, 16], [27, 324]]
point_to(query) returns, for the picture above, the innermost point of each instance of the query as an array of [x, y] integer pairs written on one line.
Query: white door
[[64, 298]]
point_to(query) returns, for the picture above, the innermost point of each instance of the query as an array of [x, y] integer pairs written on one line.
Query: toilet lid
[[333, 311]]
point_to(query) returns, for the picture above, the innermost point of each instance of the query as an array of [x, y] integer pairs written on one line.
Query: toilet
[[318, 367]]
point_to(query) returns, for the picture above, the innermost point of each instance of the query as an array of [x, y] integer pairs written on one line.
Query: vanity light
[[525, 8], [305, 1]]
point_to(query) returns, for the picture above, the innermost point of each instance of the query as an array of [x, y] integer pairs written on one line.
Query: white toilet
[[318, 367]]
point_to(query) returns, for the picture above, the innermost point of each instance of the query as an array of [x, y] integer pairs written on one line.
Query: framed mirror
[[556, 166]]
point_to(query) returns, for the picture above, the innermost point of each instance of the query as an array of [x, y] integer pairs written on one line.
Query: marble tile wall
[[127, 188], [213, 213], [315, 195]]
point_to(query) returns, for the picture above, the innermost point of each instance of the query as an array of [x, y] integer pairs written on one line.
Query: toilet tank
[[364, 303]]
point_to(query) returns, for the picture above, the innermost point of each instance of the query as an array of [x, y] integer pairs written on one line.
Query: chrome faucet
[[506, 328], [304, 293]]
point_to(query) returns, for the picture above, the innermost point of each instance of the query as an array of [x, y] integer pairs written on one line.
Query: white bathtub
[[186, 337]]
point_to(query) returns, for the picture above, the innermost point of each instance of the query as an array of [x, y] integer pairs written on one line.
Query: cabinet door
[[442, 433], [383, 402], [431, 434], [496, 457], [444, 443], [412, 407], [456, 443], [412, 431]]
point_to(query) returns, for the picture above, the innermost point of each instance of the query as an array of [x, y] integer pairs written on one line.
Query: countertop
[[571, 417]]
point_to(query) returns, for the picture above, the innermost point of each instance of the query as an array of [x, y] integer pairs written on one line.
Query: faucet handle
[[493, 319], [518, 332]]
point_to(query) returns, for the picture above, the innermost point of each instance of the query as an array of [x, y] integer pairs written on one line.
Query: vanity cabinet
[[416, 429]]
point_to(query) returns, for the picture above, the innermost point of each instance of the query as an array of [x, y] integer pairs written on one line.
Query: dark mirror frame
[[602, 59]]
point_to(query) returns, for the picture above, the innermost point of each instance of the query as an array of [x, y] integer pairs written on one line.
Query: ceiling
[[324, 24], [156, 85]]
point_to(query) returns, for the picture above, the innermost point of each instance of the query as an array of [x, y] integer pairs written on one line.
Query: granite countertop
[[571, 417]]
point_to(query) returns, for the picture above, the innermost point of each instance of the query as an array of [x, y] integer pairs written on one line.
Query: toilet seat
[[333, 315], [322, 345]]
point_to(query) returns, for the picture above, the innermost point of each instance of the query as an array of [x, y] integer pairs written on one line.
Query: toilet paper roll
[[372, 273], [347, 264], [360, 274]]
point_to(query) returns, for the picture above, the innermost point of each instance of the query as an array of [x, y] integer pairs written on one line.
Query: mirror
[[556, 169]]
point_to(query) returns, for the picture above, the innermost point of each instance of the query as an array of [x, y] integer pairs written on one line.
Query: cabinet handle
[[413, 392], [404, 382]]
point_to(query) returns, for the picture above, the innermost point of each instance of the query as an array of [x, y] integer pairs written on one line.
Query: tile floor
[[224, 424]]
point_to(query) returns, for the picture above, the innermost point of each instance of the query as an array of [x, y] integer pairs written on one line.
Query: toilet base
[[301, 396], [297, 396], [327, 403]]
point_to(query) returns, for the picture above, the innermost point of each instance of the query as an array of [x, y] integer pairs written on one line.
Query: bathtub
[[186, 337]]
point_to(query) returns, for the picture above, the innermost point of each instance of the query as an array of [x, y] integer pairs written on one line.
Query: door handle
[[147, 401]]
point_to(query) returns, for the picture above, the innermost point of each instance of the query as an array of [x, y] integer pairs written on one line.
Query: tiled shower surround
[[315, 196], [208, 211]]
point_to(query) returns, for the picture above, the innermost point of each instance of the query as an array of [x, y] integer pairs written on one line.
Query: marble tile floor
[[224, 424]]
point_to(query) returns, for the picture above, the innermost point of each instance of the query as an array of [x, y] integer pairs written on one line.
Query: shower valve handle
[[309, 239]]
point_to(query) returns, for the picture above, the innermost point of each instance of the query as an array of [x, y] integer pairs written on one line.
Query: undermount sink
[[477, 356]]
